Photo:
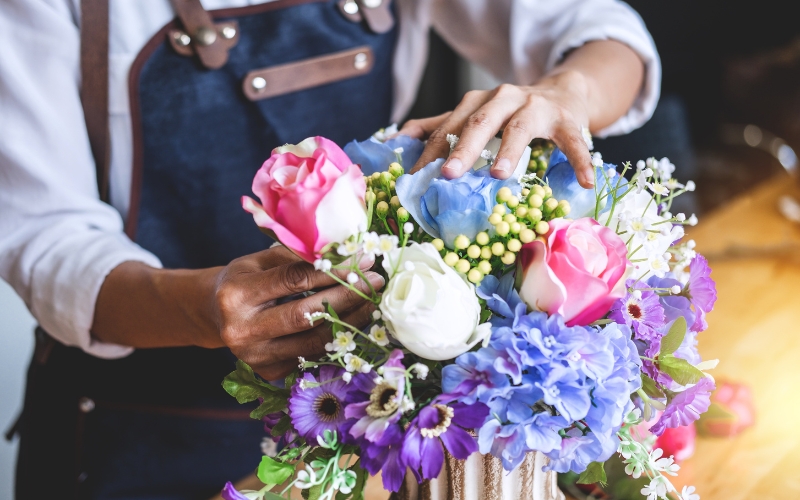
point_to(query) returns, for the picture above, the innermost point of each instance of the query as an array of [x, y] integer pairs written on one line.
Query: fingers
[[423, 127], [292, 317], [567, 136], [437, 146], [276, 358]]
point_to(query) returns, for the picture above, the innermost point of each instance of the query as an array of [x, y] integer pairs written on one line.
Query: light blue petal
[[412, 149], [453, 223], [411, 188], [372, 155]]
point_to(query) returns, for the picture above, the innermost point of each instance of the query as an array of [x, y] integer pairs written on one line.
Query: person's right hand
[[270, 336]]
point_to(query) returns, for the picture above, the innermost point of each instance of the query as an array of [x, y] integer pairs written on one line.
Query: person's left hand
[[555, 109]]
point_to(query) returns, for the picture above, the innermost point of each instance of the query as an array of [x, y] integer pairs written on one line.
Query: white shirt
[[58, 242]]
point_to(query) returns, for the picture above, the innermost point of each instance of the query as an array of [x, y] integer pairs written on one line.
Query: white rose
[[427, 306]]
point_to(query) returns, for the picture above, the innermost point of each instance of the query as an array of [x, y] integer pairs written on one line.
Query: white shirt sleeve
[[58, 242], [518, 41]]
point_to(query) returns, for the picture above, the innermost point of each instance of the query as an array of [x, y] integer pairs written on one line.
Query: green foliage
[[651, 388], [679, 369], [246, 387], [271, 404], [674, 338], [283, 425], [595, 473], [312, 493], [270, 471]]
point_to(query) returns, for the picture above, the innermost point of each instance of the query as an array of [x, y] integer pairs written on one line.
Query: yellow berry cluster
[[540, 153], [382, 199], [516, 221]]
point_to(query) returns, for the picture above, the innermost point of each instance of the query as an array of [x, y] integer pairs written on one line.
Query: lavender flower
[[379, 400], [576, 452], [320, 406], [686, 407], [701, 290], [441, 424], [674, 305], [640, 310], [231, 493], [385, 456]]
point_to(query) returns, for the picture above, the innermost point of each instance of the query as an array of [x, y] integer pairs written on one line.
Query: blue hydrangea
[[562, 180], [375, 156]]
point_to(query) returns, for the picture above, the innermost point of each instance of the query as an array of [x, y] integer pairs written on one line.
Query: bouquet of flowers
[[518, 315]]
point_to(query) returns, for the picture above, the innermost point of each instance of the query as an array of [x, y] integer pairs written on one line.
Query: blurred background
[[729, 117]]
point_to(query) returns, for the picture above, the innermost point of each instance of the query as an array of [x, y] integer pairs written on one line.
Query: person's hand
[[268, 335], [555, 108]]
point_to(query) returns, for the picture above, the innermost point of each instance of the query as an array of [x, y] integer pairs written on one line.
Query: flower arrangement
[[518, 315]]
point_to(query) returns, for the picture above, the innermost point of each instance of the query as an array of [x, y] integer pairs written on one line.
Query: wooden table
[[754, 330], [754, 253]]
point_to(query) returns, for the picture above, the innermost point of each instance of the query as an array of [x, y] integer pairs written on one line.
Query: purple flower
[[438, 425], [385, 456], [474, 377], [674, 305], [640, 310], [320, 406], [686, 407], [231, 493], [377, 401], [702, 291], [576, 453]]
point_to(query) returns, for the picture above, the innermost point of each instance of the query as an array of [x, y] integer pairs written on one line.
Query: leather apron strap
[[94, 86]]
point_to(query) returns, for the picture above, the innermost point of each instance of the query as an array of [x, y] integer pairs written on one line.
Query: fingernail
[[502, 165], [375, 278], [452, 166]]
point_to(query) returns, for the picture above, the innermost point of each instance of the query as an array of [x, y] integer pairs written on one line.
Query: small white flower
[[452, 139], [378, 335], [347, 377], [587, 138], [648, 172], [675, 290], [487, 155], [301, 362], [692, 221], [387, 243], [306, 478], [665, 168], [658, 188], [680, 217], [309, 317], [398, 151], [421, 370], [673, 183], [688, 493], [656, 489], [407, 404], [303, 384], [342, 343], [663, 464], [634, 469], [349, 247], [637, 294], [597, 160], [352, 278], [658, 265], [408, 227], [354, 363], [323, 265], [691, 186], [637, 226], [269, 447], [691, 244], [667, 215], [371, 244], [640, 165], [376, 315], [641, 182]]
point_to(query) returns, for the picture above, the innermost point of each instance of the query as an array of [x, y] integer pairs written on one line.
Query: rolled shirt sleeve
[[58, 241], [519, 41]]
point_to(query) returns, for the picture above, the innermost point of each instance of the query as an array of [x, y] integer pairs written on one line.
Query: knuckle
[[296, 317], [296, 278], [438, 137], [228, 297], [535, 101], [473, 96], [479, 120], [506, 89], [518, 126], [316, 344]]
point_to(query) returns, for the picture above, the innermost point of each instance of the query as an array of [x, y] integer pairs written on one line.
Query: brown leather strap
[[94, 86], [210, 49]]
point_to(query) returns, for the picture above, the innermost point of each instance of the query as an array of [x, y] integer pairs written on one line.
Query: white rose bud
[[428, 307]]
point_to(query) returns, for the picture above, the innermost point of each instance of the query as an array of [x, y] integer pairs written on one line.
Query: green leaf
[[313, 493], [268, 495], [319, 453], [290, 379], [650, 387], [595, 473], [270, 471], [243, 384], [271, 404], [674, 338], [283, 425], [335, 327], [679, 369]]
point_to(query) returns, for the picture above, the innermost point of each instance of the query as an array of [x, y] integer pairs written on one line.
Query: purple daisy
[[440, 424], [377, 402], [702, 291], [686, 407], [320, 406], [641, 310], [385, 456]]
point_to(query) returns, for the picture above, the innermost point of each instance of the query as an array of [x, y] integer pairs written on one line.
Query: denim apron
[[157, 423]]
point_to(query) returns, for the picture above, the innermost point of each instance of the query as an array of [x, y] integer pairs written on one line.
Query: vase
[[482, 477]]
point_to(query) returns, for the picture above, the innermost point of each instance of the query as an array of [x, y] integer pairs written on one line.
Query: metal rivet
[[360, 61], [371, 4], [181, 38], [85, 405], [351, 7], [258, 83], [228, 32], [205, 36]]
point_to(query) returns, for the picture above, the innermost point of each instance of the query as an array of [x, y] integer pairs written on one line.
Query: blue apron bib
[[157, 424]]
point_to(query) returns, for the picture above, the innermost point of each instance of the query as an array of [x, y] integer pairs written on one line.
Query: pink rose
[[578, 273], [311, 195], [678, 442]]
